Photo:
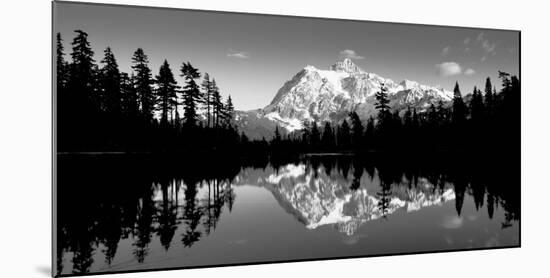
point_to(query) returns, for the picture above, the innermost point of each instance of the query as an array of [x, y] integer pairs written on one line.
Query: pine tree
[[506, 82], [344, 135], [369, 132], [82, 68], [207, 96], [61, 65], [244, 139], [143, 82], [433, 116], [277, 137], [415, 122], [306, 133], [229, 112], [407, 117], [110, 84], [315, 135], [357, 129], [328, 136], [191, 94], [459, 108], [476, 105], [130, 105], [217, 105], [381, 105], [489, 97], [442, 112], [166, 92]]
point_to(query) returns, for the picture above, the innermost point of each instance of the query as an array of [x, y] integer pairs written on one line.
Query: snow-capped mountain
[[316, 198], [329, 95]]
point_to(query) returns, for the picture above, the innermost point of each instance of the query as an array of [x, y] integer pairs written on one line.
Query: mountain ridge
[[330, 95]]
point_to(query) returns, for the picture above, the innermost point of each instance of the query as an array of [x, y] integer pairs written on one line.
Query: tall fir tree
[[382, 106], [442, 112], [315, 136], [433, 116], [61, 66], [356, 130], [130, 106], [476, 105], [143, 81], [82, 69], [327, 140], [110, 84], [206, 86], [277, 137], [217, 104], [191, 94], [229, 112], [166, 92], [459, 108], [489, 97], [344, 133], [369, 132], [306, 132]]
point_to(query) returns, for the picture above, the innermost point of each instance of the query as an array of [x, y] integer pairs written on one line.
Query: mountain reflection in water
[[119, 214], [317, 198]]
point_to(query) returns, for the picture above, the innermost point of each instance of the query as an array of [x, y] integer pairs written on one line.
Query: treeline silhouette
[[122, 202], [481, 179], [486, 121], [103, 200], [100, 108]]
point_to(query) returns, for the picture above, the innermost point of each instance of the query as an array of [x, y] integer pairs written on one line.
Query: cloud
[[445, 51], [239, 55], [469, 71], [348, 53], [480, 37], [489, 47], [467, 49], [466, 40], [483, 58], [448, 69]]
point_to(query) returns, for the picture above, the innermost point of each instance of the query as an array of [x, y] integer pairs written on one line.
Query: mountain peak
[[346, 65]]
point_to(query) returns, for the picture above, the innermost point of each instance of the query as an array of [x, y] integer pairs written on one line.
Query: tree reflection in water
[[104, 200]]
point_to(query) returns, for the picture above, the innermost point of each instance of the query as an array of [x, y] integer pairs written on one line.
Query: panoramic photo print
[[188, 138]]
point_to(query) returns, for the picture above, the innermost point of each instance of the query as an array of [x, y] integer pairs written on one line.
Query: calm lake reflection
[[117, 214]]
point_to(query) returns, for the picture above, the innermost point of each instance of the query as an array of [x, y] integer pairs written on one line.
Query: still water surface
[[113, 219]]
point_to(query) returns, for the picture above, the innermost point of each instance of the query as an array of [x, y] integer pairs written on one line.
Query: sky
[[252, 56]]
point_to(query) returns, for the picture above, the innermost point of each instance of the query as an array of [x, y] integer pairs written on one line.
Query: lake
[[126, 213]]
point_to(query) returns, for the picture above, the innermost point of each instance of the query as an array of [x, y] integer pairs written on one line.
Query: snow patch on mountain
[[289, 123], [316, 95], [329, 95]]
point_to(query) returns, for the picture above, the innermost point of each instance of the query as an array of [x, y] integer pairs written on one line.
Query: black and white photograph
[[191, 138]]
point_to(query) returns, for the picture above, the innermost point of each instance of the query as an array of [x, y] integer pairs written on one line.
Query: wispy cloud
[[483, 58], [469, 71], [446, 50], [466, 40], [348, 53], [239, 55], [448, 69], [488, 46], [480, 37]]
